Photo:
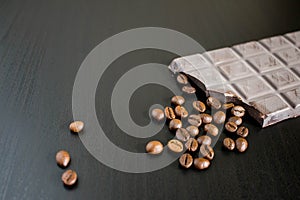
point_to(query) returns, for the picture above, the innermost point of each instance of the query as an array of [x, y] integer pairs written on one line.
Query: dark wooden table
[[43, 43]]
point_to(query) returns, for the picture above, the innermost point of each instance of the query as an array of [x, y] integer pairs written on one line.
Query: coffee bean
[[226, 106], [188, 89], [241, 144], [175, 146], [207, 152], [76, 126], [180, 111], [219, 117], [211, 129], [169, 112], [200, 106], [178, 100], [158, 114], [238, 111], [175, 124], [195, 120], [231, 127], [206, 118], [154, 147], [237, 120], [182, 134], [63, 158], [191, 145], [242, 131], [228, 143], [193, 130], [69, 177], [186, 160], [213, 102], [201, 163], [182, 79], [204, 139]]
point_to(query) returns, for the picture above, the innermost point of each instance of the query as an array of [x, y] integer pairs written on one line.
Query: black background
[[42, 44]]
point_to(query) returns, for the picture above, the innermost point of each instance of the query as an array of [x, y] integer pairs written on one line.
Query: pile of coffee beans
[[195, 129]]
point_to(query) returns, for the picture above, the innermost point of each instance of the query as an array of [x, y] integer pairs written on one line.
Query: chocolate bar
[[262, 75]]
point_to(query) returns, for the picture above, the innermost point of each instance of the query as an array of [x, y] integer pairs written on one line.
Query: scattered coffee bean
[[188, 89], [154, 147], [238, 111], [201, 163], [195, 120], [199, 105], [175, 124], [186, 160], [226, 106], [206, 118], [219, 117], [191, 145], [237, 120], [211, 129], [158, 114], [76, 126], [213, 102], [241, 144], [178, 100], [69, 177], [228, 143], [175, 146], [204, 140], [182, 79], [242, 131], [182, 134], [169, 112], [231, 127], [63, 158], [207, 152], [193, 130], [180, 111]]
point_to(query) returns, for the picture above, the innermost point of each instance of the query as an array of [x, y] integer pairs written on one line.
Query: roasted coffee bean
[[180, 111], [228, 143], [195, 120], [63, 158], [169, 112], [193, 130], [206, 118], [241, 144], [186, 160], [76, 126], [238, 111], [182, 79], [188, 89], [226, 106], [158, 114], [178, 100], [199, 105], [175, 124], [237, 120], [191, 144], [211, 129], [213, 102], [69, 177], [154, 147], [182, 134], [231, 127], [175, 146], [201, 163], [207, 152], [204, 140], [242, 131], [219, 117]]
